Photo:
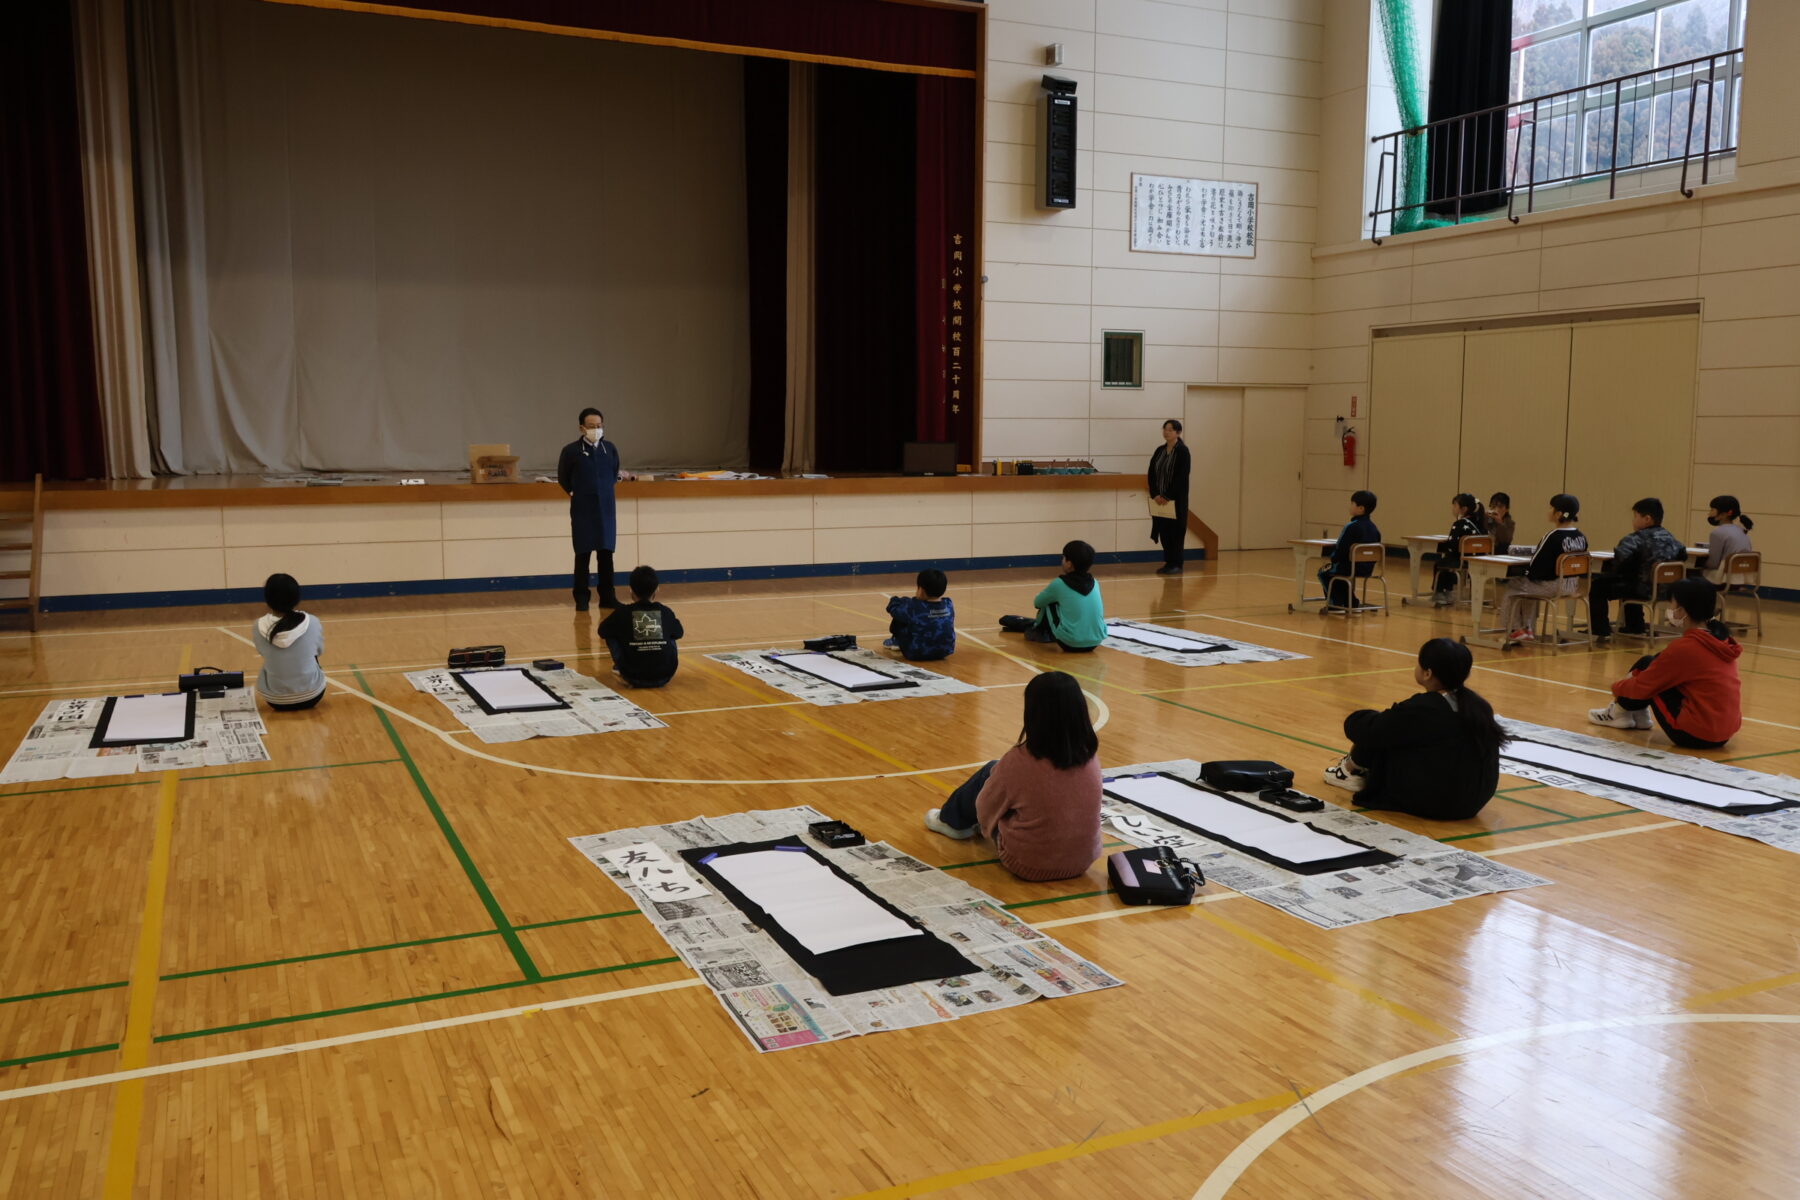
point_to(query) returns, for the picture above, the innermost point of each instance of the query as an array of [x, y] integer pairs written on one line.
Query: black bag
[[209, 678], [471, 658], [1152, 875], [1246, 775]]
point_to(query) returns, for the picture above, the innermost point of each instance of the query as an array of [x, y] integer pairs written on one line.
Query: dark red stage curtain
[[765, 203], [865, 361], [49, 397], [876, 31], [944, 255]]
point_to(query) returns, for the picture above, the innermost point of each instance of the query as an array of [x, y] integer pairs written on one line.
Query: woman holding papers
[[1436, 754], [1040, 803], [1167, 482]]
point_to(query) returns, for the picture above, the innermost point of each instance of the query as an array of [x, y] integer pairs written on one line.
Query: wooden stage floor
[[332, 975]]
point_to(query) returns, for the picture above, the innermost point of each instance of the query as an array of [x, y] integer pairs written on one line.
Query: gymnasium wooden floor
[[334, 975]]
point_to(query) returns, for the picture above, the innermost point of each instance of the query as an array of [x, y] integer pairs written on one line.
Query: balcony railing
[[1501, 157]]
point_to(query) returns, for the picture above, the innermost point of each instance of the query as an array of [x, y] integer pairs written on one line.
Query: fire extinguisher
[[1349, 440]]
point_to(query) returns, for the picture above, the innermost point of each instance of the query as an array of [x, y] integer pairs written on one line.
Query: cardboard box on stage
[[494, 463]]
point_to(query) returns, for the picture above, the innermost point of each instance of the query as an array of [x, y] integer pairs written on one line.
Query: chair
[[1375, 555], [1475, 543], [1658, 609], [1553, 610], [1742, 570]]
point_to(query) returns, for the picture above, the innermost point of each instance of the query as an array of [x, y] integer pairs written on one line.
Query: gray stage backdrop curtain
[[370, 241]]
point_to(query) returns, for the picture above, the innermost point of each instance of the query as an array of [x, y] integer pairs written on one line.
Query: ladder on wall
[[14, 528]]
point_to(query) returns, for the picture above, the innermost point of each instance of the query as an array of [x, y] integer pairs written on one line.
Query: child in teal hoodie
[[1069, 609]]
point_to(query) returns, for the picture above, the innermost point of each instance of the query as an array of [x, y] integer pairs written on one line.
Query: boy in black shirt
[[642, 635], [1359, 529]]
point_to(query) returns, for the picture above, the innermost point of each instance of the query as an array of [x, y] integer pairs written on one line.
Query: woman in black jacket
[[1436, 754], [1167, 479]]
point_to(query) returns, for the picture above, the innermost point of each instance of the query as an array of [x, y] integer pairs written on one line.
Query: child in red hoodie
[[1692, 687]]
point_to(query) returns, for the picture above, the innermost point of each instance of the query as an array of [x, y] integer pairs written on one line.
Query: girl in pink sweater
[[1040, 803]]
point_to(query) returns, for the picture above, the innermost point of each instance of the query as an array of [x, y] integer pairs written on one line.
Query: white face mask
[[595, 434]]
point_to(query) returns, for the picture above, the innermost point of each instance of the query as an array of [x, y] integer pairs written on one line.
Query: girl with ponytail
[[1435, 755], [1730, 535], [1467, 519]]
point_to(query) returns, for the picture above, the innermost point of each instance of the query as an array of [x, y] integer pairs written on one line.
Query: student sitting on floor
[[1500, 522], [642, 635], [1040, 803], [1730, 535], [1692, 687], [290, 643], [1434, 755], [924, 624], [1466, 520], [1357, 530], [1540, 576], [1634, 560], [1069, 609]]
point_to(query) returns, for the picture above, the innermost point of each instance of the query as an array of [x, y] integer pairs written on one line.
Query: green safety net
[[1409, 68]]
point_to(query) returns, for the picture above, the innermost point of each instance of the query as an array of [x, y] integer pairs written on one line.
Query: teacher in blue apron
[[587, 470]]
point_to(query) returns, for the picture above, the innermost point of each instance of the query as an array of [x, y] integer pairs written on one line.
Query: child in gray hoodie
[[290, 643]]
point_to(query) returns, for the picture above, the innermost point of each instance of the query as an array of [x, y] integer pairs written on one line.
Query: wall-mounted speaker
[[1056, 143]]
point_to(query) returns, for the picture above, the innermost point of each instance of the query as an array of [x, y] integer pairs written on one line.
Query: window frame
[[1137, 357]]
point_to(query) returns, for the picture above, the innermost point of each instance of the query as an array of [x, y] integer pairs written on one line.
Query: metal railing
[[1501, 156]]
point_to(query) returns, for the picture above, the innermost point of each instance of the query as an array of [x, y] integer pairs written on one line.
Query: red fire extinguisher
[[1349, 440]]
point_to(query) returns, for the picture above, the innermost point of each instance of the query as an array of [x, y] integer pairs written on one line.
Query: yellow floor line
[[1707, 999], [884, 756], [1081, 1149], [134, 1049], [1306, 964]]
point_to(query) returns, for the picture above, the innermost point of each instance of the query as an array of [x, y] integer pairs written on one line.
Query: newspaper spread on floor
[[227, 731], [779, 1006], [824, 693], [1234, 651], [593, 708], [1780, 829], [1428, 873]]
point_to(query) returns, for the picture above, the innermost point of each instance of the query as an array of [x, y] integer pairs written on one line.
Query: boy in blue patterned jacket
[[924, 624]]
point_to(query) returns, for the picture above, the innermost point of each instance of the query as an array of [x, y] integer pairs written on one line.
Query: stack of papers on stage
[[837, 680], [766, 992], [1185, 647], [1677, 785], [1424, 873], [552, 703], [60, 743]]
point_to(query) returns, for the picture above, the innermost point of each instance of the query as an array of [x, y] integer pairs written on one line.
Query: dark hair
[[932, 582], [1730, 504], [1700, 601], [281, 593], [1081, 557], [644, 582], [1174, 422], [1567, 507], [1650, 507], [1450, 662], [1364, 498], [589, 412], [1500, 498], [1057, 727], [1477, 513]]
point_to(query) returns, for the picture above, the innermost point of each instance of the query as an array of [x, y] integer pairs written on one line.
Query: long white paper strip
[[821, 910], [507, 691], [1643, 779], [147, 719], [1288, 841], [844, 674], [1156, 637]]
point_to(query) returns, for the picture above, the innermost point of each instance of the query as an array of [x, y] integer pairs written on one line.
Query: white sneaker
[[1614, 717], [1344, 774], [933, 823]]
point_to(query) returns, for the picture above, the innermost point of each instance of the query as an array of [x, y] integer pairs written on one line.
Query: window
[[1121, 359], [1559, 46]]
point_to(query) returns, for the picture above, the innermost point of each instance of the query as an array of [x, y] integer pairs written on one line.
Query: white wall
[[1214, 89]]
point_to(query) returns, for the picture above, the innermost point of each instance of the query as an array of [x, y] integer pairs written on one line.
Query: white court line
[[448, 738], [1228, 1172], [1102, 714]]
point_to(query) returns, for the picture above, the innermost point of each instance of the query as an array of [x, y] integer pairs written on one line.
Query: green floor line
[[1463, 837], [300, 958], [507, 932], [70, 991], [605, 916], [1247, 725], [1764, 754], [55, 1054], [1540, 807], [988, 862], [1055, 899], [1523, 787], [406, 1000], [155, 779]]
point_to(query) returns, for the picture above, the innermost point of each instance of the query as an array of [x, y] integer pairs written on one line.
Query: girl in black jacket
[[1434, 755]]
